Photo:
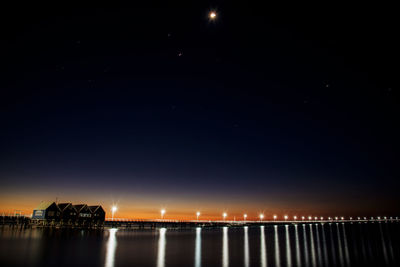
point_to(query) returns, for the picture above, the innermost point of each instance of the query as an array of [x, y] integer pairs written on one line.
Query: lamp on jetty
[[224, 215], [275, 217], [113, 210], [244, 217], [162, 213], [261, 217], [197, 215]]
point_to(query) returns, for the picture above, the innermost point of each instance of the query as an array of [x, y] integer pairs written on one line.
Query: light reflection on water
[[225, 248], [330, 244], [162, 243], [111, 248], [246, 247], [263, 248], [288, 252], [319, 251], [298, 255], [197, 251], [340, 245], [305, 246], [324, 244], [346, 247], [277, 253], [313, 256]]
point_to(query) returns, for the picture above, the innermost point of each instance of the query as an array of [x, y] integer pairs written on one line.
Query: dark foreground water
[[336, 244]]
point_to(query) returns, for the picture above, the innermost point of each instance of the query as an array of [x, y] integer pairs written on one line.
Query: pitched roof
[[79, 207], [95, 208], [63, 206], [44, 205]]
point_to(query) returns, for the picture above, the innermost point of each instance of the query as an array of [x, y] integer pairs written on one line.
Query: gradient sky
[[287, 110]]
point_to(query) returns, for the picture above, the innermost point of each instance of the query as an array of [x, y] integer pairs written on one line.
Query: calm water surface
[[336, 244]]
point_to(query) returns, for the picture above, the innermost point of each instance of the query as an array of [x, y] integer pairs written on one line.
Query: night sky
[[274, 109]]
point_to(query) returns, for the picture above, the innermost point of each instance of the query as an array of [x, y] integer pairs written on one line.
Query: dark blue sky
[[274, 104]]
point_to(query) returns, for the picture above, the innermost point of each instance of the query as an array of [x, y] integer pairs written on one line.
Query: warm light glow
[[261, 216], [275, 217], [295, 217], [114, 208], [302, 217], [212, 15], [198, 213], [245, 216], [309, 218], [322, 218], [286, 217], [224, 215]]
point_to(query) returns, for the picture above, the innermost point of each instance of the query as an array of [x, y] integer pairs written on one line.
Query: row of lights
[[261, 216]]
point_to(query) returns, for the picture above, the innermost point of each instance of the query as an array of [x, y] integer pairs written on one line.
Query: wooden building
[[83, 215], [68, 212], [98, 214], [47, 211]]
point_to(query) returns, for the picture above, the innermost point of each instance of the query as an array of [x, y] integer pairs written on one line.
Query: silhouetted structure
[[68, 214], [84, 215], [47, 211], [98, 214]]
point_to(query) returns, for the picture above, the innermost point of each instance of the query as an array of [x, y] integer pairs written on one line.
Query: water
[[336, 244]]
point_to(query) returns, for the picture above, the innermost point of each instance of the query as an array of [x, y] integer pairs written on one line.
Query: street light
[[212, 15], [162, 213], [275, 217], [224, 215], [244, 217], [295, 217], [322, 218], [113, 210], [197, 215], [286, 217], [309, 218], [302, 218], [261, 217]]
